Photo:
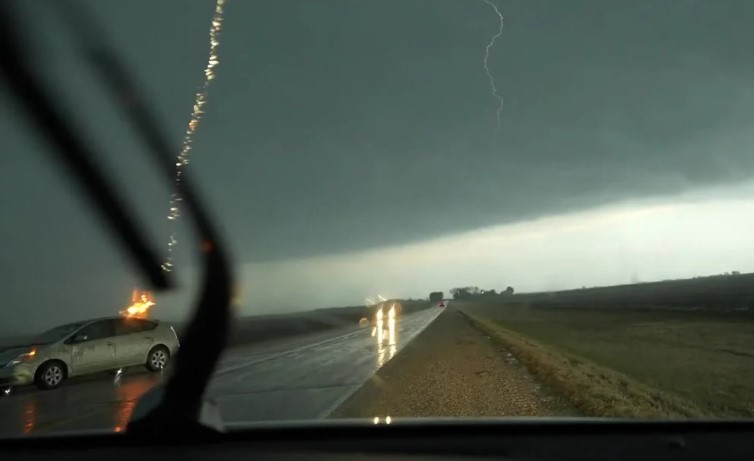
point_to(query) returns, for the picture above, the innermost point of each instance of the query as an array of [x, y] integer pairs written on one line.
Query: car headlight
[[25, 357]]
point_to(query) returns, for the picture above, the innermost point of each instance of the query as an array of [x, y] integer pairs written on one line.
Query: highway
[[301, 378]]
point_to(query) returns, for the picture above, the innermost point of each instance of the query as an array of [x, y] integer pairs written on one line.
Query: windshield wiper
[[179, 409]]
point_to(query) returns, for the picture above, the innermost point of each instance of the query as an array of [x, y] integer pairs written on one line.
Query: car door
[[93, 348], [134, 338]]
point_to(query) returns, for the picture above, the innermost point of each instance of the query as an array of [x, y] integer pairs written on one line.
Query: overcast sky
[[347, 149]]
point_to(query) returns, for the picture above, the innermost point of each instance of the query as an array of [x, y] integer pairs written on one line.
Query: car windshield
[[433, 208], [57, 333]]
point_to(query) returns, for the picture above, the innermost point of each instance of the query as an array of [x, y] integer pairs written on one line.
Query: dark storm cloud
[[367, 123], [341, 125]]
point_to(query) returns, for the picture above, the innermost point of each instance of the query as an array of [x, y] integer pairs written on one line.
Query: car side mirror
[[80, 338]]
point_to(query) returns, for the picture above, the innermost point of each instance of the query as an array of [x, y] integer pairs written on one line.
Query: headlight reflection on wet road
[[30, 416], [41, 412], [387, 343], [128, 394]]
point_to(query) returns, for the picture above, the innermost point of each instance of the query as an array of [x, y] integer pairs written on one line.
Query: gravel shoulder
[[451, 369]]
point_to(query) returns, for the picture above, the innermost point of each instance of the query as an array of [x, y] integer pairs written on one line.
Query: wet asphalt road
[[301, 378]]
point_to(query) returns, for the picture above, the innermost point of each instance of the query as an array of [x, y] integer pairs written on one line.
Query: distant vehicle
[[87, 347], [441, 304], [385, 310]]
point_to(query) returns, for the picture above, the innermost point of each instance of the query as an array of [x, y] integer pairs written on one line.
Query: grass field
[[631, 363]]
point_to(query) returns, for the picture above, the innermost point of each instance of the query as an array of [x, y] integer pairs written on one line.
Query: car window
[[99, 330], [57, 333], [126, 326]]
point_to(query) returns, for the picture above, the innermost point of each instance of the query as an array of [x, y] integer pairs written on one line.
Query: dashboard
[[515, 440]]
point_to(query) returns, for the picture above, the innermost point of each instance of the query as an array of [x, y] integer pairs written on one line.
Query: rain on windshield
[[435, 208]]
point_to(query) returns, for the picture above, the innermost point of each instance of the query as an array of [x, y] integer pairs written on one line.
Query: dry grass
[[592, 389]]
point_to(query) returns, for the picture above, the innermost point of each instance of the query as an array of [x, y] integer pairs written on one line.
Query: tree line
[[469, 292]]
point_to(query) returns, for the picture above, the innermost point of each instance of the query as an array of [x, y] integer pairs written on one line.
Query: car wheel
[[158, 358], [50, 375]]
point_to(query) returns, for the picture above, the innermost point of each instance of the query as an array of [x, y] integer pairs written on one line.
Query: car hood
[[8, 354], [493, 425], [333, 424], [404, 421]]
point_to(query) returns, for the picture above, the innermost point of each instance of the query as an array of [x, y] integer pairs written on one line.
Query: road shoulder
[[451, 369]]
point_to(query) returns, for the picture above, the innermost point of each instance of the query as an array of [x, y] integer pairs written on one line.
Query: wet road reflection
[[309, 383], [299, 380], [93, 403], [386, 336], [30, 416], [127, 395]]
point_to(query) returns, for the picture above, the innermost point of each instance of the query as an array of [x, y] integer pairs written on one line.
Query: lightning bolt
[[495, 94], [196, 117]]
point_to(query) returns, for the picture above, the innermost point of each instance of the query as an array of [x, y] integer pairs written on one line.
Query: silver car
[[88, 347]]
